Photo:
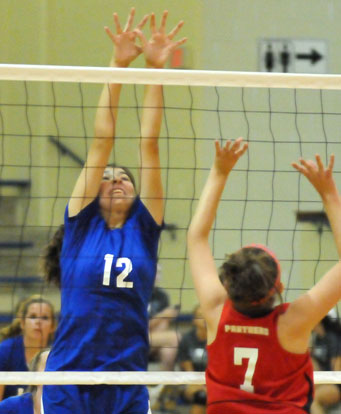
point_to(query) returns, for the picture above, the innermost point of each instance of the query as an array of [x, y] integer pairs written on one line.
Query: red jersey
[[248, 371]]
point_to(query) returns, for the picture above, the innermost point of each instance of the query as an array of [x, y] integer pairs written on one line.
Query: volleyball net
[[46, 126]]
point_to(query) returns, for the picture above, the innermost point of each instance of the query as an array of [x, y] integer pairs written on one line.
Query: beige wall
[[223, 35], [231, 41], [234, 28]]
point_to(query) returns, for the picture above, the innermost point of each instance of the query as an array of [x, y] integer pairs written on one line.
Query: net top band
[[128, 377], [167, 77]]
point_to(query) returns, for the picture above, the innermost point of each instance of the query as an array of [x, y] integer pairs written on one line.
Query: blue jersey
[[12, 358], [22, 404], [106, 283], [93, 399]]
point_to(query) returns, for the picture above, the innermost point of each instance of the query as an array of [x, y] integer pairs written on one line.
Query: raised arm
[[310, 308], [322, 180], [125, 51], [156, 51], [210, 292]]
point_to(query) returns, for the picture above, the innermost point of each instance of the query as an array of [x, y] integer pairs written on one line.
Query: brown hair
[[51, 257], [14, 329], [248, 276]]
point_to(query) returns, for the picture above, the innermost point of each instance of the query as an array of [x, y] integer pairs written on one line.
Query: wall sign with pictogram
[[293, 56]]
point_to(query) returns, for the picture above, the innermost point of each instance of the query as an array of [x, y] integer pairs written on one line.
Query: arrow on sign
[[313, 56]]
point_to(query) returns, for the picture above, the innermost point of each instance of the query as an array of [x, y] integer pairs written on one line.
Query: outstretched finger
[[117, 24], [217, 146], [331, 163], [308, 164], [130, 20], [298, 167], [143, 22], [227, 146], [242, 150], [174, 31], [110, 34], [236, 144], [175, 45], [319, 162], [152, 23], [180, 42], [163, 21]]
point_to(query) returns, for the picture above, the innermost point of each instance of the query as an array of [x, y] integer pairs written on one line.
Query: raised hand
[[160, 46], [125, 48], [227, 156], [320, 177]]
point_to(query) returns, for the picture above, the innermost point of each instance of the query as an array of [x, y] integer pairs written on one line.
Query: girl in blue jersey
[[30, 402], [24, 338], [109, 253]]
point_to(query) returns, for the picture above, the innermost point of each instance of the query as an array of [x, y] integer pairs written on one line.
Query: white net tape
[[125, 377], [167, 77]]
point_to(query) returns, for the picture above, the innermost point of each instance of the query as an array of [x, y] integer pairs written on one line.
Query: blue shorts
[[90, 399]]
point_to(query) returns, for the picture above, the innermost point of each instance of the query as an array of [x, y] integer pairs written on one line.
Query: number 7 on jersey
[[252, 355]]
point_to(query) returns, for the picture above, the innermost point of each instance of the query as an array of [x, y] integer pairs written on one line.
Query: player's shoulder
[[141, 214], [18, 404], [11, 342]]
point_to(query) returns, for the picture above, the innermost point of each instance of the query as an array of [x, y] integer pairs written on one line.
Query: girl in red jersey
[[258, 360]]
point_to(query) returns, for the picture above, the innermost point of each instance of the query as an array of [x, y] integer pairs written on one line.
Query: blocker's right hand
[[320, 177]]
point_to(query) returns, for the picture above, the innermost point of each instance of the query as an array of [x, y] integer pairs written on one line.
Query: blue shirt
[[21, 404], [106, 283], [12, 358]]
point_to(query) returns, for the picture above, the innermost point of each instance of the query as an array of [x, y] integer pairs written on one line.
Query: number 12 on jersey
[[120, 262]]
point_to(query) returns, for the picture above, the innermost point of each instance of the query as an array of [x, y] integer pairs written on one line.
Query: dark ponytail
[[51, 257]]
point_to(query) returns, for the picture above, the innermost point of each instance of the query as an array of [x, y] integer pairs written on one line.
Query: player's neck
[[115, 219], [32, 347]]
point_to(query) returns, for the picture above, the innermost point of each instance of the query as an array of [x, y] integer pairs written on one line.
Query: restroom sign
[[293, 56]]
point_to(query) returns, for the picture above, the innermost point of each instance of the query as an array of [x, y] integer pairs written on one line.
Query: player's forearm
[[208, 204], [106, 115], [152, 114], [332, 206]]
